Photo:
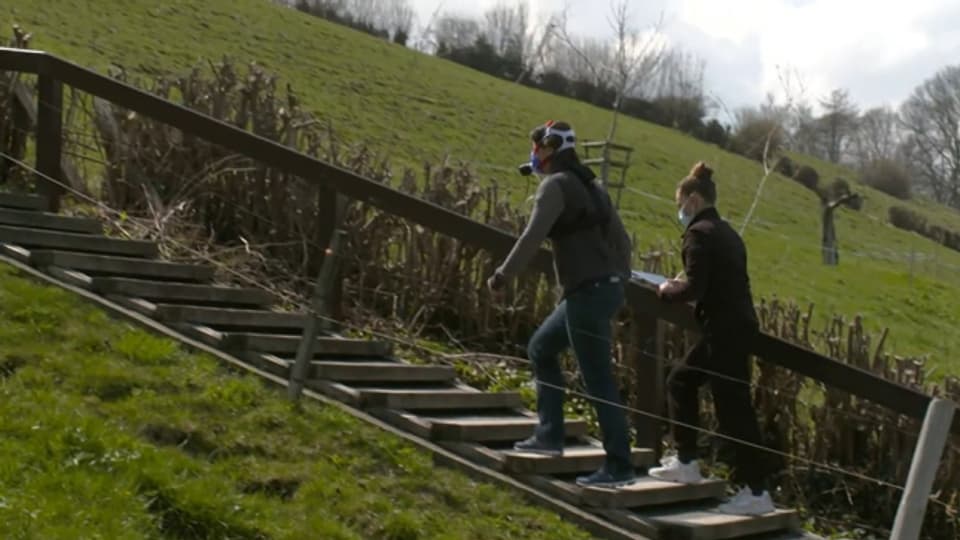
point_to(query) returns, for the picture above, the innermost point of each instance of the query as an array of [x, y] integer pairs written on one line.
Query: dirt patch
[[10, 364], [184, 522], [190, 441], [281, 488]]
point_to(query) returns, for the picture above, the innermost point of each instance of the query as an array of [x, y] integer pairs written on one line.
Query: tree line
[[912, 149]]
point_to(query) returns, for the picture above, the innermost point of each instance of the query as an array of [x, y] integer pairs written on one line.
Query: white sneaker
[[745, 503], [675, 471]]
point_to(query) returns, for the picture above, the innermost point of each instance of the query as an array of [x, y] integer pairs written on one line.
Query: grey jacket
[[580, 256]]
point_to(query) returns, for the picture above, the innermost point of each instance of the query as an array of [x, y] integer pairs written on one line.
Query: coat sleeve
[[696, 264], [547, 207]]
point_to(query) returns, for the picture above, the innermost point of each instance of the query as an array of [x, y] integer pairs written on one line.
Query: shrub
[[839, 187], [785, 166], [905, 218], [750, 138], [887, 176], [807, 176]]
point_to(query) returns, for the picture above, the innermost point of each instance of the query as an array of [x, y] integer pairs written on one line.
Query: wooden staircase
[[426, 401]]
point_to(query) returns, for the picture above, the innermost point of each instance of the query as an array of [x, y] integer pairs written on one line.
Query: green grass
[[416, 108], [110, 432]]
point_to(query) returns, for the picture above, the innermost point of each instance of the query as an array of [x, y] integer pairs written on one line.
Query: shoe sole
[[548, 453], [747, 514], [621, 483], [675, 480]]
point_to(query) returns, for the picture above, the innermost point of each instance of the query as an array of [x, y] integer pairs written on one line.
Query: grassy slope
[[416, 108], [87, 447]]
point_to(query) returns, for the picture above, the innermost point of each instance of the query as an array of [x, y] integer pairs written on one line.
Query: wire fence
[[436, 353], [120, 216]]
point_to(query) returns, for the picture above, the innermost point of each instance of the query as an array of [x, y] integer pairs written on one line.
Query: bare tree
[[878, 136], [581, 59], [679, 75], [804, 130], [931, 117], [635, 56], [397, 17], [830, 200], [507, 30], [793, 89], [455, 32], [838, 123]]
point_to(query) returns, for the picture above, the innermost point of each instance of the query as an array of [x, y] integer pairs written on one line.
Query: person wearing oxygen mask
[[715, 268], [591, 252]]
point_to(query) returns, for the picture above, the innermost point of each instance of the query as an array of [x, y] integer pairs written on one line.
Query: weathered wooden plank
[[72, 277], [575, 459], [36, 238], [227, 318], [409, 422], [632, 522], [43, 220], [564, 490], [281, 344], [477, 453], [164, 291], [22, 201], [353, 372], [707, 524], [440, 398], [648, 491], [495, 428], [101, 265]]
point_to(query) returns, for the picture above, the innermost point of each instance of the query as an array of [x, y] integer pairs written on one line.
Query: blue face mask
[[535, 162], [684, 217]]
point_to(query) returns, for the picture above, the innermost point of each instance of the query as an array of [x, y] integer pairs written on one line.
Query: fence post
[[923, 469], [49, 139], [647, 361], [318, 318]]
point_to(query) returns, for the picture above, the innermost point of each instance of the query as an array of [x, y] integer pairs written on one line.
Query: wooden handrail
[[642, 297]]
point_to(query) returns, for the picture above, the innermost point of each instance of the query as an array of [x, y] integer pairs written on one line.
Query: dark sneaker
[[536, 446], [604, 479]]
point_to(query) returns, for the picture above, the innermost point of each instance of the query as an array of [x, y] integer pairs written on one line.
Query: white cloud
[[879, 49], [829, 43]]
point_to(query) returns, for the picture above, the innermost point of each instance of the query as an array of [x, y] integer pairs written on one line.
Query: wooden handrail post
[[647, 365], [49, 139], [923, 470], [318, 319]]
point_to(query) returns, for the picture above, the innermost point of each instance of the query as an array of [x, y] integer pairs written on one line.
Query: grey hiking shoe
[[536, 446], [604, 479]]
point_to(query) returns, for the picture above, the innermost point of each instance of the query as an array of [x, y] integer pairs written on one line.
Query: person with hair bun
[[715, 268], [591, 255]]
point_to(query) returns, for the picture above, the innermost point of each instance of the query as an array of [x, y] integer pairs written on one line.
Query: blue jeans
[[583, 320]]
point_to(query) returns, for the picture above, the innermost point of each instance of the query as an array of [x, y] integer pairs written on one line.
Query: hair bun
[[700, 171]]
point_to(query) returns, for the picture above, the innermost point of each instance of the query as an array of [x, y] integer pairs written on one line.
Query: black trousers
[[724, 363]]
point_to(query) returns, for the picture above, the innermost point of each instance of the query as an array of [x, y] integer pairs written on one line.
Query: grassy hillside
[[109, 432], [414, 108]]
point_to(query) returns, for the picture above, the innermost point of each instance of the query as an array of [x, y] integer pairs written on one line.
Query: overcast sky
[[878, 49]]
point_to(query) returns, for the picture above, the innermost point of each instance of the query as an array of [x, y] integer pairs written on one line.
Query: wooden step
[[353, 372], [21, 201], [44, 220], [228, 319], [437, 399], [648, 491], [472, 427], [87, 243], [288, 345], [495, 428], [106, 265], [705, 523], [575, 459], [167, 292]]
